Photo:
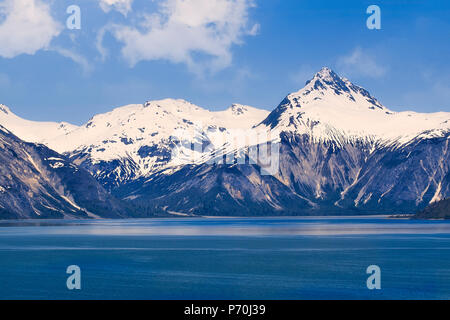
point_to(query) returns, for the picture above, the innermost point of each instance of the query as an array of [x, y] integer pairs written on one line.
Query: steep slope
[[137, 140], [314, 178], [222, 190], [36, 182], [342, 149], [358, 175], [331, 108]]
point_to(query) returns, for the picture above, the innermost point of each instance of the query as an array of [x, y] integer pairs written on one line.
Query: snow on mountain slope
[[125, 128], [120, 131], [239, 116], [33, 131], [340, 150], [332, 108], [138, 139]]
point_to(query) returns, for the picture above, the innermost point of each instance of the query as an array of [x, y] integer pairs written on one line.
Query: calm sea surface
[[220, 258]]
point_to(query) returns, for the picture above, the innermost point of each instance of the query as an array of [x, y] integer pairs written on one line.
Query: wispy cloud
[[27, 27], [239, 82], [360, 63], [99, 41], [181, 31], [75, 57]]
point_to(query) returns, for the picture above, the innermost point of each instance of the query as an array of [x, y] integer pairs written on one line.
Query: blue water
[[236, 258]]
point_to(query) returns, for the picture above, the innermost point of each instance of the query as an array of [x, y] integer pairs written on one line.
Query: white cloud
[[184, 30], [75, 57], [360, 63], [99, 41], [123, 6], [26, 27]]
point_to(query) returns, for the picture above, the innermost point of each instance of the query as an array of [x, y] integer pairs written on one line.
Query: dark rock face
[[404, 179], [437, 210], [314, 178], [355, 176], [36, 182], [217, 190]]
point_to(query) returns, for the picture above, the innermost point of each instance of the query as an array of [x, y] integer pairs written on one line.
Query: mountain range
[[336, 149]]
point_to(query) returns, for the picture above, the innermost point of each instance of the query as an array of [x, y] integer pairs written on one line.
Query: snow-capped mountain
[[143, 124], [340, 151], [331, 108], [136, 140]]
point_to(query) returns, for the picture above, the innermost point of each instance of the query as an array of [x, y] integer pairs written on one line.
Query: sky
[[56, 65]]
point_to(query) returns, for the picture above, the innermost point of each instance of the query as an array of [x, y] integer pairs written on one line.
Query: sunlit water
[[236, 258]]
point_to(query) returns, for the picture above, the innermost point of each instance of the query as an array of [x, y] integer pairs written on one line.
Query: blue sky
[[216, 52]]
